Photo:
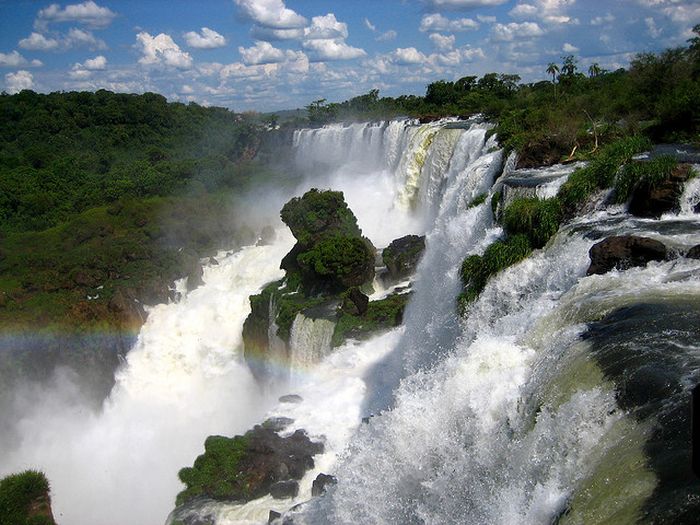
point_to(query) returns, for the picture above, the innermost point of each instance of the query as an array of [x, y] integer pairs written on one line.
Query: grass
[[537, 219], [384, 314], [643, 175], [19, 495], [216, 473]]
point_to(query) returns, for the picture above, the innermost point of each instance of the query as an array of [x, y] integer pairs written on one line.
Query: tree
[[553, 69], [569, 66], [594, 70]]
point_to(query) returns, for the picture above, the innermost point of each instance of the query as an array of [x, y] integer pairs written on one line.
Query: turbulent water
[[557, 398]]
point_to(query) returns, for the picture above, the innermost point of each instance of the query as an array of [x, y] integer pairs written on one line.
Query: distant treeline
[[63, 153], [659, 95]]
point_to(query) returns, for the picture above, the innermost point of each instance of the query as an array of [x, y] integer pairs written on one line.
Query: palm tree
[[594, 70], [553, 69]]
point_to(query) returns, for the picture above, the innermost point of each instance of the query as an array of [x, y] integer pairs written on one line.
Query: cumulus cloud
[[98, 63], [653, 30], [81, 38], [337, 49], [88, 13], [463, 4], [14, 59], [273, 35], [437, 22], [271, 13], [408, 55], [161, 49], [569, 48], [38, 42], [550, 11], [509, 32], [206, 39], [261, 53], [19, 80], [326, 27], [442, 42]]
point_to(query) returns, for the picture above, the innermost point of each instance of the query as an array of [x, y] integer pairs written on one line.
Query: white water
[[309, 341]]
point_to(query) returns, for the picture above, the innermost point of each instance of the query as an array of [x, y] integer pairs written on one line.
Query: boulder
[[623, 252], [655, 200], [355, 302], [694, 252], [284, 489], [290, 398], [321, 482], [273, 515], [402, 255]]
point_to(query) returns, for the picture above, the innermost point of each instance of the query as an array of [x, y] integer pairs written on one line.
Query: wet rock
[[213, 261], [273, 516], [696, 209], [657, 199], [124, 306], [277, 424], [623, 252], [355, 302], [290, 398], [321, 482], [402, 255], [694, 252], [284, 489]]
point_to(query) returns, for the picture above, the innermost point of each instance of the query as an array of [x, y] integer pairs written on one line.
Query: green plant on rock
[[383, 314], [538, 219], [19, 496], [643, 175], [216, 473]]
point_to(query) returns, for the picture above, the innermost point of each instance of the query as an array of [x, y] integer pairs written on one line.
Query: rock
[[124, 306], [247, 467], [694, 252], [213, 261], [402, 255], [623, 252], [321, 482], [355, 302], [696, 209], [194, 276], [291, 398], [277, 424], [655, 200], [284, 489], [273, 516]]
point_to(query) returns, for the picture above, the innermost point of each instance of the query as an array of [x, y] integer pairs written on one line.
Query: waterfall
[[309, 340]]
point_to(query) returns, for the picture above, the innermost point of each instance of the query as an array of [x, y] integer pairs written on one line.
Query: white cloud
[[271, 13], [80, 38], [88, 13], [162, 49], [98, 63], [408, 55], [207, 39], [369, 25], [463, 4], [332, 50], [653, 30], [261, 53], [486, 19], [16, 82], [442, 42], [569, 48], [509, 32], [388, 35], [437, 22], [38, 42], [14, 59], [270, 34], [550, 11], [326, 27]]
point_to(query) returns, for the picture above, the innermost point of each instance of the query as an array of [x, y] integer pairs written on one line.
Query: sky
[[269, 55]]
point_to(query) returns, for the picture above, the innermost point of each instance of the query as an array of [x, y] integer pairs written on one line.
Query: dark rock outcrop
[[402, 255], [653, 200], [290, 398], [623, 252], [321, 482], [273, 516], [355, 302], [247, 467], [694, 252]]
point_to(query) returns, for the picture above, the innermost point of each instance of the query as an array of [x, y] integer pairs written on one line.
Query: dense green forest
[[572, 113]]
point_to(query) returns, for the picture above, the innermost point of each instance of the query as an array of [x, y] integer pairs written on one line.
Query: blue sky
[[268, 55]]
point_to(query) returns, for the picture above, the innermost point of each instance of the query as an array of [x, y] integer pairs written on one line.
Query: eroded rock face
[[402, 255], [654, 201], [694, 252], [321, 482], [623, 252]]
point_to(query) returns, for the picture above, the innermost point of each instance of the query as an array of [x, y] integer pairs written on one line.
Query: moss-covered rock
[[25, 500], [380, 315], [537, 219], [402, 256], [246, 467]]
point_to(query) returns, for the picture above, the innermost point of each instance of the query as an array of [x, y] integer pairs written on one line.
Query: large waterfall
[[557, 398]]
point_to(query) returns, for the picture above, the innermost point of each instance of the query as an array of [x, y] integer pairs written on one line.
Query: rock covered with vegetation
[[402, 255], [247, 467], [25, 499]]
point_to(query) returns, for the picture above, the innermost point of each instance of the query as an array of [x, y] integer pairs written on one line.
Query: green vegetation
[[342, 259], [24, 499], [216, 473], [643, 174], [476, 201], [383, 314], [537, 219], [477, 269]]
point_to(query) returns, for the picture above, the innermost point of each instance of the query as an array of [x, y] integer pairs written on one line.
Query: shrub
[[18, 492], [643, 174]]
